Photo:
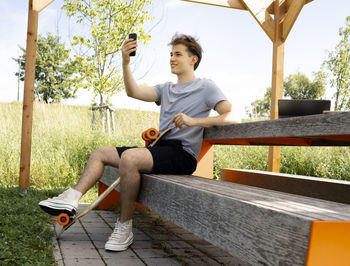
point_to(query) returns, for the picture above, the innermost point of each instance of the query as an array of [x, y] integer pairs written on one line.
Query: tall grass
[[63, 140], [327, 162]]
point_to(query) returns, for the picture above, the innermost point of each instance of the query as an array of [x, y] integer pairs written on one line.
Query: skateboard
[[151, 137]]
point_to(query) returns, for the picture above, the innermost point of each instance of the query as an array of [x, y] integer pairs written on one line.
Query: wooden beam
[[277, 81], [39, 5], [28, 96], [291, 16], [315, 187], [236, 4], [259, 10]]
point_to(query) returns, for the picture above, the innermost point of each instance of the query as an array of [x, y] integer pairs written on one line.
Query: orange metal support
[[113, 199], [329, 244], [205, 166]]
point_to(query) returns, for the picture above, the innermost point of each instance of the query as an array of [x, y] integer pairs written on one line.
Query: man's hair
[[193, 47]]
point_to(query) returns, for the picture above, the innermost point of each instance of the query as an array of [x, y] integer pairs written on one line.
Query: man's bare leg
[[95, 165], [133, 161]]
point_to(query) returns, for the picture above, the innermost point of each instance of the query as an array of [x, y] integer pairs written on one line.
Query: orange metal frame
[[329, 244]]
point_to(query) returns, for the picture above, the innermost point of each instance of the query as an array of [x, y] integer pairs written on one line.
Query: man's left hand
[[181, 120]]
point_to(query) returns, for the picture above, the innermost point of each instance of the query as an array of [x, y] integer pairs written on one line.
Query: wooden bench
[[263, 218]]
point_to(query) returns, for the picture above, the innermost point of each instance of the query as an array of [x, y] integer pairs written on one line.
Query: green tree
[[54, 70], [297, 87], [108, 22], [261, 107], [338, 64]]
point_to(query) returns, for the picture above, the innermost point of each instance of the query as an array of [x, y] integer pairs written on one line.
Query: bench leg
[[329, 243], [205, 160]]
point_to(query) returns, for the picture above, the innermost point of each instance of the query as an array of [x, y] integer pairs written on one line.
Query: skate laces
[[120, 230]]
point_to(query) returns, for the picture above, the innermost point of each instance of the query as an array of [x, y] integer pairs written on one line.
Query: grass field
[[62, 142]]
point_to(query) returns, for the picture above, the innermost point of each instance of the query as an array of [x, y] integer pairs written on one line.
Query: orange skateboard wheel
[[144, 137], [63, 219], [151, 133]]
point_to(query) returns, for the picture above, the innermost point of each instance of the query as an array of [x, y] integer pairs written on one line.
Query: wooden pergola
[[275, 17]]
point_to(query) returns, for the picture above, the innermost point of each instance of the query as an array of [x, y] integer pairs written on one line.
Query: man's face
[[180, 60]]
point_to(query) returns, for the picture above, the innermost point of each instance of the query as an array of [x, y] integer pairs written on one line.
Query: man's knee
[[135, 159], [127, 161], [106, 155]]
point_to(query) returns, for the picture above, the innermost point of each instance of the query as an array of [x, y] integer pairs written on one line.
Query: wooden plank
[[28, 97], [291, 16], [256, 225], [335, 124], [236, 4], [259, 10], [315, 187]]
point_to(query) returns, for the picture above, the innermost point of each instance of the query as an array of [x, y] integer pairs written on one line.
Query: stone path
[[156, 242]]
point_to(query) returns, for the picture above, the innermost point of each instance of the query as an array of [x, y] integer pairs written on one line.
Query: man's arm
[[226, 117], [143, 93]]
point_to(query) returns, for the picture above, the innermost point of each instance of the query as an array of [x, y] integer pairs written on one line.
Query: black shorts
[[169, 158]]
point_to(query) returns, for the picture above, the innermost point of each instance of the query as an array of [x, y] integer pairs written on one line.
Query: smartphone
[[133, 36]]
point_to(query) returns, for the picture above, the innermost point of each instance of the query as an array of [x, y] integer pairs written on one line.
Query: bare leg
[[132, 162], [95, 165]]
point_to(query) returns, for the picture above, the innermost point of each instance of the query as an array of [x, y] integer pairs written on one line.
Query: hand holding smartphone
[[134, 37]]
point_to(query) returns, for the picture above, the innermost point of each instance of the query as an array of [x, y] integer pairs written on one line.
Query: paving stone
[[116, 255], [83, 262], [142, 237], [162, 262], [76, 228], [197, 261], [77, 244], [57, 252], [165, 244], [124, 262], [100, 244], [178, 244], [99, 236], [142, 244], [99, 230], [80, 253], [150, 253], [164, 237], [213, 251], [67, 236]]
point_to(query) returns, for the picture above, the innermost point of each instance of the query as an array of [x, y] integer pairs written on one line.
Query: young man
[[184, 105]]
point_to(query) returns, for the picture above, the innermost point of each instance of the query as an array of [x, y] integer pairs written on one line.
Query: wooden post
[[28, 97], [112, 118], [277, 82], [108, 120]]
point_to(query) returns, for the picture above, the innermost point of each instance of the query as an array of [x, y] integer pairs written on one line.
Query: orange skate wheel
[[144, 137], [151, 133], [63, 219]]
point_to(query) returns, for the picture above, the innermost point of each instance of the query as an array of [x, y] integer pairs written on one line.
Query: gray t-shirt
[[195, 99]]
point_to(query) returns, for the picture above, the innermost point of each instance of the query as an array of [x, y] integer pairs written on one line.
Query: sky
[[237, 53]]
